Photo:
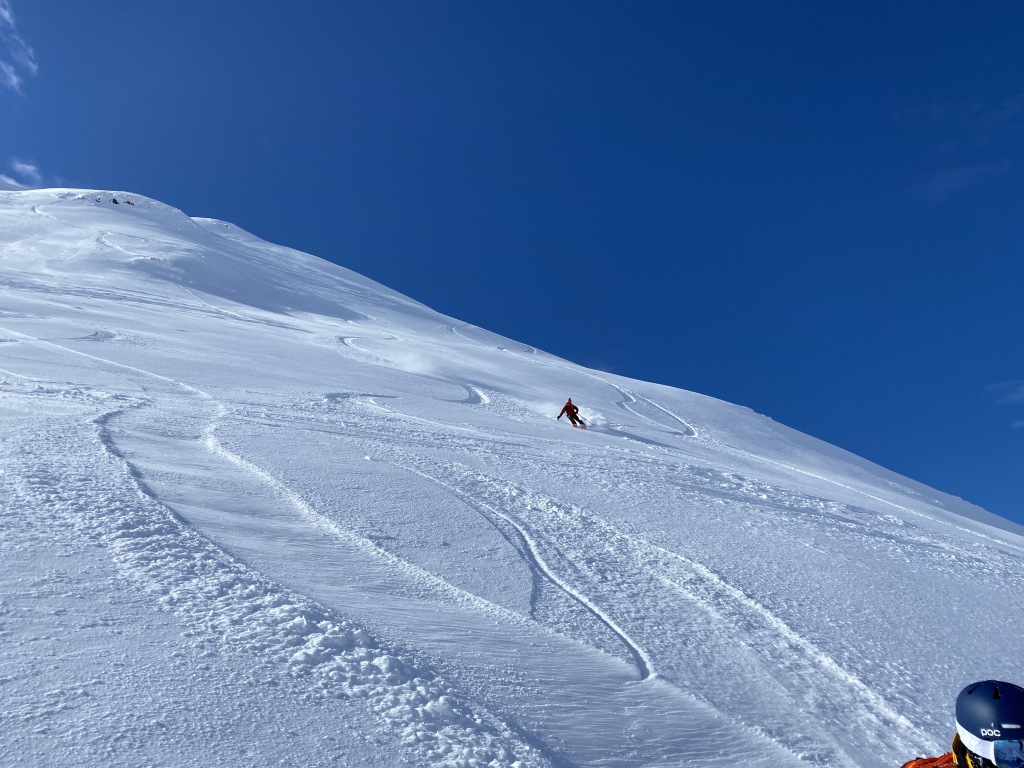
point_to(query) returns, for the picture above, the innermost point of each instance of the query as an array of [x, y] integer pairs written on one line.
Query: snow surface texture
[[258, 509]]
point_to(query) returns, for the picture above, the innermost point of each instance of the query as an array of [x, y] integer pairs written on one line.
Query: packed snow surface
[[260, 510]]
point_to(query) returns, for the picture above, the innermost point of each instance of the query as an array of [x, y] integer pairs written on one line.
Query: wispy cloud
[[27, 171], [947, 182], [16, 56], [1008, 393], [972, 123], [974, 143], [9, 184], [981, 124]]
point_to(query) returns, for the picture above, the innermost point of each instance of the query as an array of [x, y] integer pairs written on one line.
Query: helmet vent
[[995, 693], [973, 690]]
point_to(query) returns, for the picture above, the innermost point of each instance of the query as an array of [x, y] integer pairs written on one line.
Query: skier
[[572, 412], [989, 729]]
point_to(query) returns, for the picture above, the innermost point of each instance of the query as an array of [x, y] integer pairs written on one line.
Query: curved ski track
[[532, 553], [633, 397], [869, 704], [438, 727], [771, 651]]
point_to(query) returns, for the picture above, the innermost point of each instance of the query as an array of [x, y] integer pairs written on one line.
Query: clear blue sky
[[812, 209]]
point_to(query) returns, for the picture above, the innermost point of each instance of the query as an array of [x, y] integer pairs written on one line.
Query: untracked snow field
[[256, 509]]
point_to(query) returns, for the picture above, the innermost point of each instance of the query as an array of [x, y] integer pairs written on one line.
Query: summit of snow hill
[[258, 508]]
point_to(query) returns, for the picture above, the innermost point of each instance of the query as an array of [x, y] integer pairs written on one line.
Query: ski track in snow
[[774, 641], [874, 708], [633, 397], [768, 638], [216, 595], [643, 663], [862, 492], [716, 597]]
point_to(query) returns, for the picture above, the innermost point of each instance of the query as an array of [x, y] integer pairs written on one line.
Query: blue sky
[[815, 210]]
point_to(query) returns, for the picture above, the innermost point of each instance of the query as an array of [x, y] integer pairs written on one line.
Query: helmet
[[990, 722]]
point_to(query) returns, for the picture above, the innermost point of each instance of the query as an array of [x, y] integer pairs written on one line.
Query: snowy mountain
[[258, 509]]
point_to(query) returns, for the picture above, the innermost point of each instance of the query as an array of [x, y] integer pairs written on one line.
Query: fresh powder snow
[[258, 509]]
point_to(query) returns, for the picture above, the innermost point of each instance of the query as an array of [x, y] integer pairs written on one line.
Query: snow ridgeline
[[226, 606]]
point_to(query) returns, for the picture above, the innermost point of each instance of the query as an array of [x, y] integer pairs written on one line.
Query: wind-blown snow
[[258, 509]]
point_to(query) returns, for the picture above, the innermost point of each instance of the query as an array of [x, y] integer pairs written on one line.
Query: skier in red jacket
[[572, 412]]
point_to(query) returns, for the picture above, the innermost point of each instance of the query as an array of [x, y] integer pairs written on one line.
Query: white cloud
[[9, 77], [1016, 396], [16, 56], [27, 171], [9, 184], [1008, 392], [949, 181]]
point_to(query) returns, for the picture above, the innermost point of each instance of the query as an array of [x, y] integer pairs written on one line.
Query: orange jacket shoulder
[[945, 761]]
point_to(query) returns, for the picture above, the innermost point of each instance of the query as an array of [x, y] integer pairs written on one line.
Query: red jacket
[[569, 409], [946, 761]]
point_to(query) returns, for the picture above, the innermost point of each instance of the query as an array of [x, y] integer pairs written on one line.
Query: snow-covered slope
[[258, 509]]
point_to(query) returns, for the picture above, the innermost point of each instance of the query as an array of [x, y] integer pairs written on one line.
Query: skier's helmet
[[990, 722]]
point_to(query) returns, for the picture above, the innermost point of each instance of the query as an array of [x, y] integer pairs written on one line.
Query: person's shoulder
[[943, 761]]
